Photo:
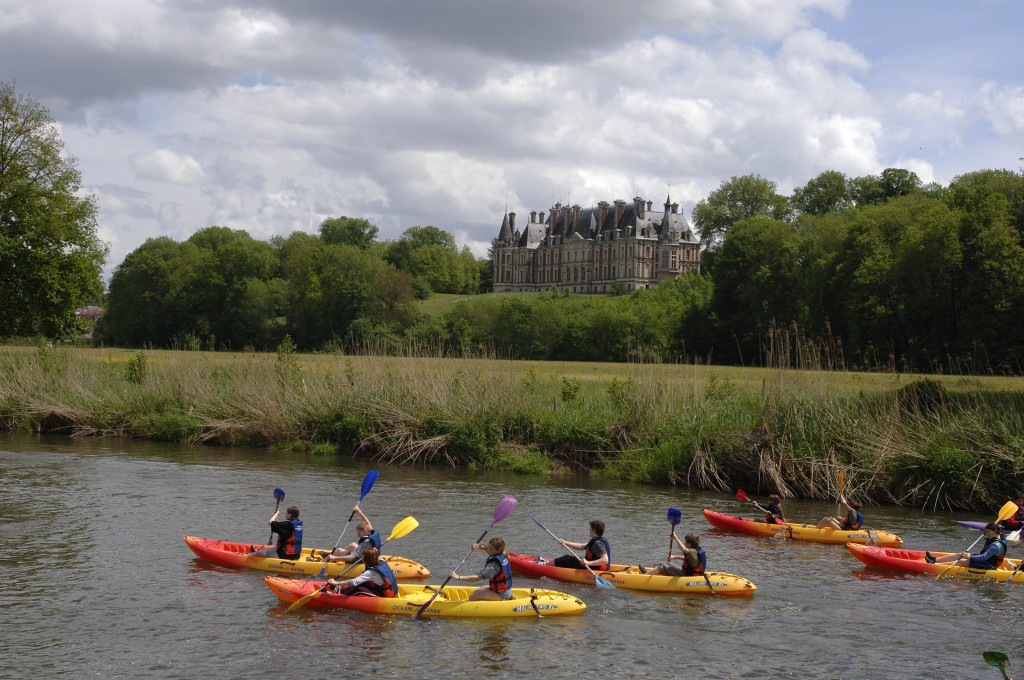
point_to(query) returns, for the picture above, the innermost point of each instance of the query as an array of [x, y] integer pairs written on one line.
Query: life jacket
[[390, 587], [607, 551], [996, 560], [503, 580], [853, 526], [371, 539], [291, 547], [773, 514], [699, 569]]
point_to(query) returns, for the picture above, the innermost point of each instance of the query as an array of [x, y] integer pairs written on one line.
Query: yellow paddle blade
[[1008, 510], [404, 527], [302, 600], [842, 481]]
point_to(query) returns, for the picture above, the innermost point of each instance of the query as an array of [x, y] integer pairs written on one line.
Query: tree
[[737, 199], [50, 255], [348, 231], [824, 194]]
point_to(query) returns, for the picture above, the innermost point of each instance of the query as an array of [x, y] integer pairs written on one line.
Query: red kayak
[[914, 560], [801, 532]]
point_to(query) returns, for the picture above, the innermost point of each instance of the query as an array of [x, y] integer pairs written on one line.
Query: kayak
[[631, 578], [452, 600], [1012, 536], [802, 532], [231, 554], [913, 560]]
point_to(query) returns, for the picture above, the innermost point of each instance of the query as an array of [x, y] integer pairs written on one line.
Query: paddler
[[597, 551], [851, 522], [990, 557], [497, 572], [368, 537], [377, 578], [1016, 522], [693, 558], [773, 512], [289, 536]]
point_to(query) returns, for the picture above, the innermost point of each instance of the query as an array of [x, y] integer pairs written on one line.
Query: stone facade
[[591, 250]]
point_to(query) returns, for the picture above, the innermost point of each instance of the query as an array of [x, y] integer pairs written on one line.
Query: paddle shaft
[[438, 591], [597, 579], [277, 507]]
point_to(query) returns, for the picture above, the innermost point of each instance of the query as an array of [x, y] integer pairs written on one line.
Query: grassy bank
[[946, 442]]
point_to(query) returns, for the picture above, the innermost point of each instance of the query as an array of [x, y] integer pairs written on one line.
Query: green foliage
[[288, 372], [50, 253], [135, 369], [737, 199], [570, 390], [349, 231]]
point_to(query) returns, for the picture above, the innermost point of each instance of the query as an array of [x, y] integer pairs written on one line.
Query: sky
[[273, 115]]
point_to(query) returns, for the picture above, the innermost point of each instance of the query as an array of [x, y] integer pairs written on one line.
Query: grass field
[[941, 441]]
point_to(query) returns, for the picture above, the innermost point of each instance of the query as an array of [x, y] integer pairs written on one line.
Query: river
[[98, 582]]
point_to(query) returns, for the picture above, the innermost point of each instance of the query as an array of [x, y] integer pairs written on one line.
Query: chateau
[[589, 251]]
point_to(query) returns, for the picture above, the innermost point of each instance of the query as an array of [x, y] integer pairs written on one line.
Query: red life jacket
[[503, 580], [589, 554]]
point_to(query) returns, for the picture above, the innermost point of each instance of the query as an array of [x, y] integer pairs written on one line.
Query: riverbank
[[948, 442]]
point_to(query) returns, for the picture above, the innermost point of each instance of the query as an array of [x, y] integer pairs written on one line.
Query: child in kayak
[[991, 556], [497, 572], [596, 552], [289, 536], [693, 559], [773, 512], [377, 578], [1016, 522], [368, 538], [851, 522]]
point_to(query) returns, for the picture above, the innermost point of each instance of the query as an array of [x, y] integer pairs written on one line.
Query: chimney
[[638, 203], [650, 205], [620, 207], [602, 214], [542, 217], [675, 208], [533, 217], [512, 221]]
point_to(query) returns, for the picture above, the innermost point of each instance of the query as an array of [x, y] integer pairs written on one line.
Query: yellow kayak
[[451, 601]]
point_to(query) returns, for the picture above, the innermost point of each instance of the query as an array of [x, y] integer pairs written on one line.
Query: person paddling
[[497, 572], [1016, 521], [693, 559], [377, 578], [990, 557], [597, 552], [851, 522], [289, 536], [773, 511], [368, 538]]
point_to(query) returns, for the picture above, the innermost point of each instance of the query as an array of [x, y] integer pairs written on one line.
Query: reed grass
[[946, 442]]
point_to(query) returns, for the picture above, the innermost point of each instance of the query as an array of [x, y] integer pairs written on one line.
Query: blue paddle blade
[[279, 494], [675, 516], [368, 481]]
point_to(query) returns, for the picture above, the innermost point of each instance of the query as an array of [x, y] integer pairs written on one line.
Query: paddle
[[279, 495], [999, 660], [598, 581], [505, 507], [368, 481], [742, 497], [674, 517], [1009, 507], [401, 529], [842, 483]]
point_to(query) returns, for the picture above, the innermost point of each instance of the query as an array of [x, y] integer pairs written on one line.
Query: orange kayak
[[232, 554]]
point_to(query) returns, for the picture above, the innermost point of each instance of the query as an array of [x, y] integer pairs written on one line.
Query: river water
[[98, 582]]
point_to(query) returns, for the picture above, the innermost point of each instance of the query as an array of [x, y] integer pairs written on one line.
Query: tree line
[[846, 272]]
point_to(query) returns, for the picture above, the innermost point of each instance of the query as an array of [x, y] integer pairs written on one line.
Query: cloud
[[165, 165], [271, 116]]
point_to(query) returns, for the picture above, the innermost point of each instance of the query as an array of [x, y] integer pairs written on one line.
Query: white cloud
[[164, 165], [271, 116]]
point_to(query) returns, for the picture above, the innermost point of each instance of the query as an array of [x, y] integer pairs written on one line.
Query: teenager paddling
[[497, 572], [289, 536], [597, 552], [851, 522]]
